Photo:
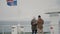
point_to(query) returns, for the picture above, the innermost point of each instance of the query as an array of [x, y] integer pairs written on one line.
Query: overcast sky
[[26, 9]]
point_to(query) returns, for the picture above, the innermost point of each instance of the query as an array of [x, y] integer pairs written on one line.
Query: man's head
[[39, 16]]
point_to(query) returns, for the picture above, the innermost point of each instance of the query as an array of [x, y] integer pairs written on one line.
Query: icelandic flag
[[12, 2]]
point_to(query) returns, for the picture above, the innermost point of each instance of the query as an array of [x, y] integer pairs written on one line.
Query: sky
[[27, 9]]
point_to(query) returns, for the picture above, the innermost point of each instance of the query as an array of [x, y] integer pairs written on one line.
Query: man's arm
[[32, 22], [42, 21]]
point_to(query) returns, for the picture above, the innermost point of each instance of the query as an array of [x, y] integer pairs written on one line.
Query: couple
[[37, 25]]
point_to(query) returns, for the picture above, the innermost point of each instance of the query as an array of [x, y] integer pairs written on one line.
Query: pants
[[34, 31], [40, 31]]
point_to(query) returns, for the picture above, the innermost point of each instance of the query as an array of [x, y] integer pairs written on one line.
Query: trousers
[[34, 31]]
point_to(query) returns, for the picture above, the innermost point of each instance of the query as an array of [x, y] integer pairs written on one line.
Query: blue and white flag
[[12, 2]]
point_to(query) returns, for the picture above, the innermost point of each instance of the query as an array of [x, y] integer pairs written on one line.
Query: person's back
[[40, 23]]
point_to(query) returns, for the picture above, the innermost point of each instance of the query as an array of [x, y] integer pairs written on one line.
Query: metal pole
[[2, 29]]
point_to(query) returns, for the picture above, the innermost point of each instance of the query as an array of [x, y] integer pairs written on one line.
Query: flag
[[12, 2]]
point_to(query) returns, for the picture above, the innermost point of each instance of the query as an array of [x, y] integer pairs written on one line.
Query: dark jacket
[[33, 24]]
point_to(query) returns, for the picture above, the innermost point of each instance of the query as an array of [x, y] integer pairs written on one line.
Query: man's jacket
[[40, 23], [34, 24]]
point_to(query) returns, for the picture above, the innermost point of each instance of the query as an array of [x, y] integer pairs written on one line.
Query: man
[[34, 26], [40, 23]]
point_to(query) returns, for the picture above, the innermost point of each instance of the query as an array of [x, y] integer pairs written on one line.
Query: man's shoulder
[[41, 19]]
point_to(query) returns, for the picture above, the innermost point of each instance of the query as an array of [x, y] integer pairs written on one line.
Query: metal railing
[[6, 29]]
